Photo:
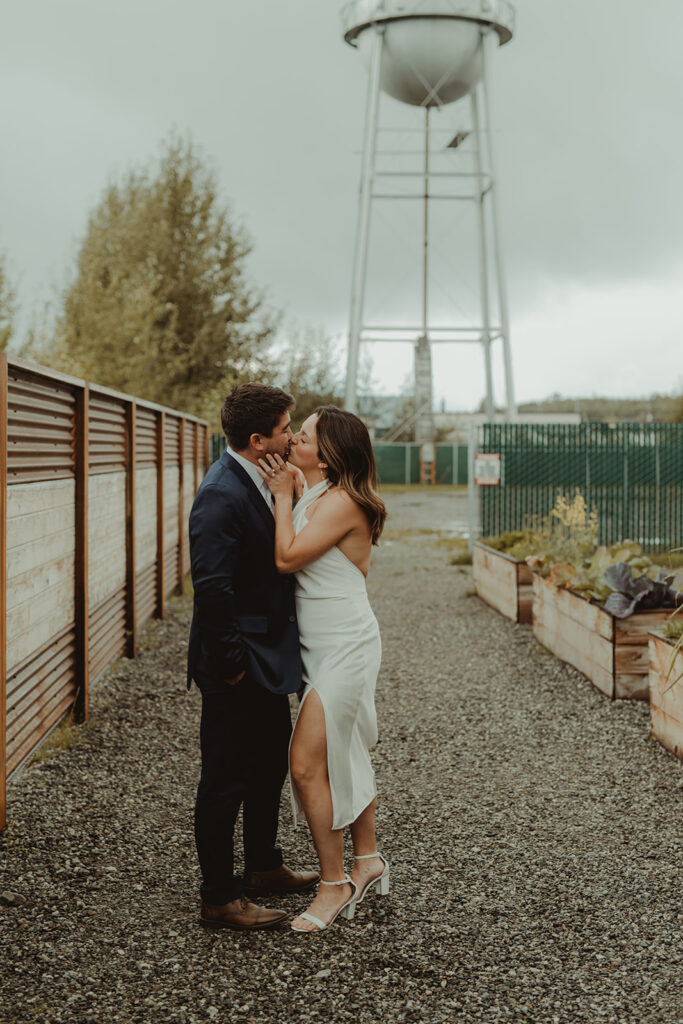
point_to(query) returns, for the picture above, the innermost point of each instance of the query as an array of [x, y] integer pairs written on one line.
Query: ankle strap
[[367, 856], [345, 881]]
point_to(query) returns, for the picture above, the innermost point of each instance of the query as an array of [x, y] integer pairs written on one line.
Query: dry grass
[[462, 557], [421, 488], [440, 537], [65, 736]]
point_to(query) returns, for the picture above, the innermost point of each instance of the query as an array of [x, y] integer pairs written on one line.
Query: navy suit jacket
[[244, 613]]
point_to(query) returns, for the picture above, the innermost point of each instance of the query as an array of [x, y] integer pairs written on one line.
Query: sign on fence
[[487, 469]]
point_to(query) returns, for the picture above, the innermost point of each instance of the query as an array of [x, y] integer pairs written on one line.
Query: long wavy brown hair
[[344, 444]]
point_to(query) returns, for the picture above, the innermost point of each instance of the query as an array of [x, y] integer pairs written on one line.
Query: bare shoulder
[[340, 503]]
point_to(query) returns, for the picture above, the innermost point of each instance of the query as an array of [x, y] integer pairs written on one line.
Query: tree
[[307, 367], [7, 307], [160, 306]]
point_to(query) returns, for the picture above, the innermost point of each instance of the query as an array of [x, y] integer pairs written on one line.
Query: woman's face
[[304, 453]]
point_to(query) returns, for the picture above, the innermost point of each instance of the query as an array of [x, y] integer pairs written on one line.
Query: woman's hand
[[276, 474], [299, 480]]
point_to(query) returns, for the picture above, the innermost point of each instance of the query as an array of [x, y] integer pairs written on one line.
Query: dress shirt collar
[[253, 472]]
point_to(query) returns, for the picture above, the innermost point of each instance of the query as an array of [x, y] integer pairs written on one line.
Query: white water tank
[[431, 53]]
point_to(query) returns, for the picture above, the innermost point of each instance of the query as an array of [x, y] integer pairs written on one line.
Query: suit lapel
[[253, 492]]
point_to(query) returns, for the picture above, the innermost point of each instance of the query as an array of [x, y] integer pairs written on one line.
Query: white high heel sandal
[[381, 882], [347, 910]]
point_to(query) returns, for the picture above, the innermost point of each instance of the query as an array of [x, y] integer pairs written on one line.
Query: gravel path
[[534, 832]]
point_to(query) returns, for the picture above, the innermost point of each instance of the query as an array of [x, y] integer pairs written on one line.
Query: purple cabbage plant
[[642, 592]]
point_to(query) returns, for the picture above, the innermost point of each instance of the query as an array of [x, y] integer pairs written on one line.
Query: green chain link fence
[[400, 463], [631, 473]]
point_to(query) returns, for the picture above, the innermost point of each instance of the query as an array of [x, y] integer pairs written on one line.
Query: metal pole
[[500, 273], [425, 254], [471, 489], [363, 230], [483, 261]]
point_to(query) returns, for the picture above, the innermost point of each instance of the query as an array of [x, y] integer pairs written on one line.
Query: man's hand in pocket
[[235, 679]]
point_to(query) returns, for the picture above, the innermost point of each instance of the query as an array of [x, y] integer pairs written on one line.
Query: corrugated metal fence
[[95, 490], [631, 473], [400, 463]]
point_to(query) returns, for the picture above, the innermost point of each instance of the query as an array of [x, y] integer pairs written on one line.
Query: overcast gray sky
[[588, 100]]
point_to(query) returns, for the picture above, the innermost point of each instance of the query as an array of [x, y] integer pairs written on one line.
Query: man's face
[[281, 440]]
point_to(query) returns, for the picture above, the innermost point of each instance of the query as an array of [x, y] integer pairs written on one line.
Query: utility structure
[[429, 54]]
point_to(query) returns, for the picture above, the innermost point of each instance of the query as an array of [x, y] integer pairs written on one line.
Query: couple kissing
[[281, 532]]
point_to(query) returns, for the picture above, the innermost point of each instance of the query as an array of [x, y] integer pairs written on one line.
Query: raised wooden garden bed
[[666, 701], [503, 582], [612, 653]]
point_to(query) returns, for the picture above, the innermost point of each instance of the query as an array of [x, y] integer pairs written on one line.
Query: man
[[244, 656]]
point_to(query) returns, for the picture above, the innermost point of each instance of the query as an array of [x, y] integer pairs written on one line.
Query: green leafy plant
[[587, 577], [673, 629], [563, 548], [641, 591]]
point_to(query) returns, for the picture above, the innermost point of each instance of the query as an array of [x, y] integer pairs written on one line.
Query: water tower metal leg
[[498, 256], [483, 261], [425, 227], [363, 231]]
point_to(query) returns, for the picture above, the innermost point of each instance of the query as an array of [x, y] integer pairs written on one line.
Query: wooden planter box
[[503, 582], [666, 708], [612, 653]]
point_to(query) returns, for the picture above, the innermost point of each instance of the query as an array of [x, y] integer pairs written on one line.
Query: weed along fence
[[96, 489], [632, 474]]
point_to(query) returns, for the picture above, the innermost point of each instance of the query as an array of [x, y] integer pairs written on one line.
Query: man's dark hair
[[252, 409]]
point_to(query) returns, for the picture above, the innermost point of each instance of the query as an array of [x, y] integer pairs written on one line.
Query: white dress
[[341, 652]]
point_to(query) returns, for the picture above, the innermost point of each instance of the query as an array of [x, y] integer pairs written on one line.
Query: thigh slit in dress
[[341, 652]]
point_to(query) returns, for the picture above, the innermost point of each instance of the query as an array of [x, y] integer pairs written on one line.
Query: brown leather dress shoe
[[279, 880], [240, 915]]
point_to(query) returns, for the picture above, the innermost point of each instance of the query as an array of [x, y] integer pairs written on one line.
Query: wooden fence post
[[81, 432], [131, 596], [160, 611], [3, 589], [181, 505], [207, 446], [196, 457]]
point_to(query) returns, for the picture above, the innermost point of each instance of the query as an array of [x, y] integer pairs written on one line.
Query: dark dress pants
[[245, 731]]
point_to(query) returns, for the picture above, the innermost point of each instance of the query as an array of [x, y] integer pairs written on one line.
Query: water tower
[[429, 54]]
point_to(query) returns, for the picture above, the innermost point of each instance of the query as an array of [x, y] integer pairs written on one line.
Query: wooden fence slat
[[81, 441], [131, 596], [161, 599], [3, 588]]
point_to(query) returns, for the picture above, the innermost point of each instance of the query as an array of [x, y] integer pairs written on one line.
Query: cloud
[[586, 100]]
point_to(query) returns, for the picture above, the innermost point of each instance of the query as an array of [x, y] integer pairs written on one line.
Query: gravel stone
[[12, 899], [533, 829]]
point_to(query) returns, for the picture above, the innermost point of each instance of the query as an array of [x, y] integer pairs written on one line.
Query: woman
[[327, 541]]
